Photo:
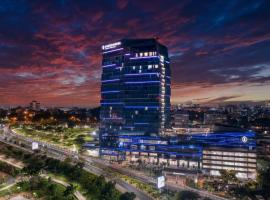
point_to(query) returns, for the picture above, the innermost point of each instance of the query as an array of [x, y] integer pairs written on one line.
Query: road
[[92, 165], [10, 182], [62, 153]]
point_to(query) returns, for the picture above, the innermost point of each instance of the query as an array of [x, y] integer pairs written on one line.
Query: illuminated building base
[[206, 153]]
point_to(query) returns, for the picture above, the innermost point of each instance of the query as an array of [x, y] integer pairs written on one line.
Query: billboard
[[34, 145], [161, 182]]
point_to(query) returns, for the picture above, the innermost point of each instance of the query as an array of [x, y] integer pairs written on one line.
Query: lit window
[[136, 112], [133, 67], [136, 55], [146, 54], [149, 66], [146, 108], [156, 66], [141, 54], [140, 71]]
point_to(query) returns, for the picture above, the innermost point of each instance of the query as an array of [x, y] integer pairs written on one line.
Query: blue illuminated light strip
[[113, 50], [149, 107], [110, 65], [141, 74], [146, 82], [127, 54], [112, 91], [112, 80], [164, 152], [112, 118], [143, 57], [112, 103]]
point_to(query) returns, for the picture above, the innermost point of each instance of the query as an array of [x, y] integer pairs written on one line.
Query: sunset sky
[[50, 50]]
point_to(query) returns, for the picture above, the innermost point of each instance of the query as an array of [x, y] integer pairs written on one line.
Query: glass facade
[[135, 90]]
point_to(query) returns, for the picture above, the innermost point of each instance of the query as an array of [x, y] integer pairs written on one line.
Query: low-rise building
[[205, 152], [242, 161]]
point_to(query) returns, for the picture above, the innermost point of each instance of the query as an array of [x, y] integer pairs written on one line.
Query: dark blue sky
[[50, 50]]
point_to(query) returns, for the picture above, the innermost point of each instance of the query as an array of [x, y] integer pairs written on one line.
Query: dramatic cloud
[[50, 50]]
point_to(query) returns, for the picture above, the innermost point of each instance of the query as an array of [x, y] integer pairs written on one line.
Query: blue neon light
[[143, 57], [112, 103], [112, 50], [112, 80], [146, 82], [110, 65], [141, 74], [112, 91], [112, 118], [143, 107]]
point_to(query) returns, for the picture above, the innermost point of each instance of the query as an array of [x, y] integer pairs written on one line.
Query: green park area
[[15, 183], [61, 136], [47, 178], [37, 187]]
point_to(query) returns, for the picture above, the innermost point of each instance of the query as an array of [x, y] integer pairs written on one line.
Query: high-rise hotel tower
[[135, 90]]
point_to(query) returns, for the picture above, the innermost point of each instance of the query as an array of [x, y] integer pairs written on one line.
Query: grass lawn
[[3, 178], [65, 179], [42, 190], [65, 137], [10, 191]]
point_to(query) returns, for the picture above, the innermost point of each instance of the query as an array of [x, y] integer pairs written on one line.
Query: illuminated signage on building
[[111, 46], [244, 139], [34, 145], [161, 182]]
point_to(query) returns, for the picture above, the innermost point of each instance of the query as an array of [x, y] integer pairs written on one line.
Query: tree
[[127, 196], [51, 188], [187, 195], [69, 190], [228, 176], [108, 192], [265, 181]]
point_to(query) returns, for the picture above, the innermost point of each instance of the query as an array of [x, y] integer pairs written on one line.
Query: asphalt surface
[[91, 165], [61, 153]]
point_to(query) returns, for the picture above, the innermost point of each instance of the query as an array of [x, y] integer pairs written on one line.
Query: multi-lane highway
[[94, 165], [24, 143]]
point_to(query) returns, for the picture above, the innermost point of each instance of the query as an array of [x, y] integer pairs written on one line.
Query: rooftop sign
[[111, 46]]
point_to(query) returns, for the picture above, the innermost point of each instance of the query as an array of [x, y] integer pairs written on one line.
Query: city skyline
[[50, 51]]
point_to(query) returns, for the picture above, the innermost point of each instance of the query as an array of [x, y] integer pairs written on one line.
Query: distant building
[[212, 118], [34, 105], [135, 90], [180, 119], [231, 109]]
